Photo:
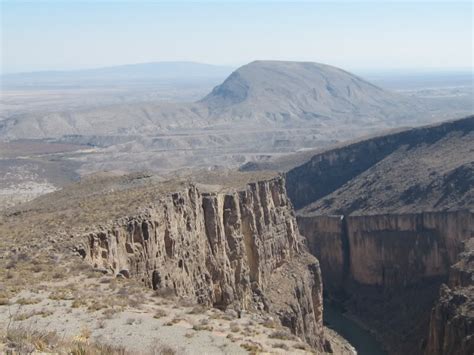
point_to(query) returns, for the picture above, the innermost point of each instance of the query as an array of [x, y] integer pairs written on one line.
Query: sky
[[60, 35]]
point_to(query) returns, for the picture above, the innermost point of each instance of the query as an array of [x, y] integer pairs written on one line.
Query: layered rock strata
[[451, 328], [387, 269], [238, 249]]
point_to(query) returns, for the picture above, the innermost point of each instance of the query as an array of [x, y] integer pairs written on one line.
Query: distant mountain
[[130, 73], [262, 95], [421, 169], [292, 92]]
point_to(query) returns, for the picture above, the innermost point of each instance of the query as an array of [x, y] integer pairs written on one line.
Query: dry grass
[[166, 293], [97, 305], [281, 346], [25, 315], [302, 346], [165, 350], [109, 313], [282, 335], [26, 341], [4, 301], [270, 323], [234, 327], [199, 327], [174, 321], [252, 348], [27, 301], [203, 325], [61, 295], [130, 321], [198, 310], [160, 313]]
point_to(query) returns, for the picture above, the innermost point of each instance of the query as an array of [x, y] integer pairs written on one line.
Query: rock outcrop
[[238, 249], [393, 250], [451, 328], [386, 269]]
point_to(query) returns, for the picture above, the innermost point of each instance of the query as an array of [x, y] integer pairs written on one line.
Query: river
[[362, 340]]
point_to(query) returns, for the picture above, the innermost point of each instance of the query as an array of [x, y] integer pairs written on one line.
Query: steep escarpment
[[223, 249], [326, 240], [451, 328], [428, 168], [386, 269], [389, 251]]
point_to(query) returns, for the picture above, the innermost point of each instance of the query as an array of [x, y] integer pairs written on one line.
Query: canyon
[[228, 243], [387, 270], [396, 250], [233, 242], [381, 227]]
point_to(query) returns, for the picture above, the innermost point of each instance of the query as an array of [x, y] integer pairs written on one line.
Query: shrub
[[282, 335], [197, 310], [165, 350], [26, 301], [160, 313]]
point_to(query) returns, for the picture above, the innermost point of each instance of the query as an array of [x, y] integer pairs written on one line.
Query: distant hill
[[421, 169], [292, 93], [129, 74]]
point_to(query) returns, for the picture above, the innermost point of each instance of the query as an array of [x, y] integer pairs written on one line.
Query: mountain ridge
[[367, 176], [159, 69]]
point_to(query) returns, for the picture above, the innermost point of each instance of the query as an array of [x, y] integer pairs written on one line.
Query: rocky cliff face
[[326, 240], [238, 249], [393, 250], [451, 328], [399, 250], [387, 270]]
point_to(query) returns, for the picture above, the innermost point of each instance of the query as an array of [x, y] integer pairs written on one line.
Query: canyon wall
[[397, 250], [451, 329], [387, 270], [238, 249], [392, 250], [326, 240]]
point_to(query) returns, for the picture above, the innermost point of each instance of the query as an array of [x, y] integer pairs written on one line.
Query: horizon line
[[238, 65]]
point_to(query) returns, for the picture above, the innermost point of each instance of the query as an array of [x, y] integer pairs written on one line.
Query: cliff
[[237, 249], [326, 240], [451, 329], [387, 269]]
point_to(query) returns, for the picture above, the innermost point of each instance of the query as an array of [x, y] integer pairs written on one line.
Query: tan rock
[[228, 250]]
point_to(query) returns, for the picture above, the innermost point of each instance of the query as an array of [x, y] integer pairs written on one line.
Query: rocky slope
[[230, 243], [419, 169]]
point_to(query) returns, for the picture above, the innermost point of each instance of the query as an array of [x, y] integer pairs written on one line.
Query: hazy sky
[[44, 35]]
